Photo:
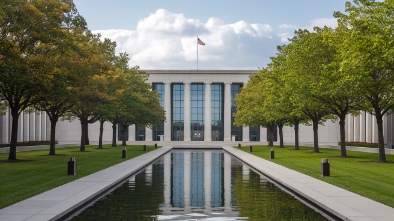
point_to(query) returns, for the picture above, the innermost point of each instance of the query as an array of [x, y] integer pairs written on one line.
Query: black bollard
[[325, 167], [124, 153], [239, 145], [272, 154], [144, 147], [155, 145], [72, 166], [250, 148]]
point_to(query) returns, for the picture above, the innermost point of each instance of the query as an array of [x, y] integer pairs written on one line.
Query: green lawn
[[360, 172], [35, 171]]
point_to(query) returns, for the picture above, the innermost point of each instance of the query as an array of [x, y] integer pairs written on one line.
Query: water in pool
[[198, 185]]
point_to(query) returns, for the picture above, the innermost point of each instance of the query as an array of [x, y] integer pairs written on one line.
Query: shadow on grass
[[376, 161], [15, 161]]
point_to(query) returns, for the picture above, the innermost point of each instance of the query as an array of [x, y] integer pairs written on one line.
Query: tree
[[28, 33], [56, 97], [367, 53], [138, 104], [91, 88], [250, 104], [302, 71]]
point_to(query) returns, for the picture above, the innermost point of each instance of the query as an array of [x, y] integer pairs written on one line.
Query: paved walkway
[[57, 202]]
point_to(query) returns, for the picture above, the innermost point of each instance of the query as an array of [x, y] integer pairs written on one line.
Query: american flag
[[200, 42]]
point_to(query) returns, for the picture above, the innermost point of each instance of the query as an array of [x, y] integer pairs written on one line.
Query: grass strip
[[35, 172], [360, 172]]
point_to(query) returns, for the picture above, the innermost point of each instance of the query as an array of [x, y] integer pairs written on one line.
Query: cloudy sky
[[238, 34]]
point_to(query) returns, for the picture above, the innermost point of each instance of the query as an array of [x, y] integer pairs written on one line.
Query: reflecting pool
[[198, 185]]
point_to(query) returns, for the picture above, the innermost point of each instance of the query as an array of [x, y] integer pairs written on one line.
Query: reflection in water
[[198, 185]]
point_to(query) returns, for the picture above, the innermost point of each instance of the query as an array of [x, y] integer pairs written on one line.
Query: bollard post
[[325, 167], [272, 154], [144, 147], [239, 145], [250, 148], [155, 145], [124, 153], [72, 166]]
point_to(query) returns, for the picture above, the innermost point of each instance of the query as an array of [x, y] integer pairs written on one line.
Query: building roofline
[[201, 71]]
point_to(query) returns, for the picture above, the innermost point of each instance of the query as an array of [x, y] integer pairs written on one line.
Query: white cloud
[[166, 40]]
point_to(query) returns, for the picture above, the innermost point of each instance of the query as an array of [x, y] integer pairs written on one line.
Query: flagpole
[[197, 52]]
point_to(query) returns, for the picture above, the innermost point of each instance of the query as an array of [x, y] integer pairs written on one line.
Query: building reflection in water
[[197, 182]]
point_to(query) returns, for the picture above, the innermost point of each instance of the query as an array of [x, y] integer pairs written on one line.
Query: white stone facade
[[36, 126]]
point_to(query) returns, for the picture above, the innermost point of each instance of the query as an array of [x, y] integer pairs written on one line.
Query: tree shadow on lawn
[[14, 161]]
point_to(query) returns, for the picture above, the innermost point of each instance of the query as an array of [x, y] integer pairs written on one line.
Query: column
[[368, 128], [132, 132], [207, 112], [227, 112], [20, 128], [167, 108], [32, 126], [245, 134], [207, 180], [48, 127], [43, 126], [38, 126], [356, 128], [227, 182], [263, 134], [186, 112], [148, 134], [350, 128], [362, 126], [186, 184], [26, 126], [375, 138], [6, 128]]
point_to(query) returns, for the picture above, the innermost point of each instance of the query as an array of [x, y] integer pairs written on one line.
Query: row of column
[[362, 128], [187, 183], [207, 113], [34, 126]]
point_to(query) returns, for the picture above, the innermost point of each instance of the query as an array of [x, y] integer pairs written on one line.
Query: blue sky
[[161, 34]]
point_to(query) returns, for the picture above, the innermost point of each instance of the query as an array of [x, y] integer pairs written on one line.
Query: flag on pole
[[200, 42]]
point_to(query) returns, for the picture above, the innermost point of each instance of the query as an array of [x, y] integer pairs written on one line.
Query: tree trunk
[[114, 125], [379, 121], [296, 135], [14, 135], [53, 135], [342, 132], [270, 137], [281, 144], [101, 134], [83, 134], [315, 136], [124, 135]]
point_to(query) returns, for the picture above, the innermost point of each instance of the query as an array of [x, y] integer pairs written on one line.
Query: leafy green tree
[[367, 53], [91, 88], [29, 30], [56, 97], [138, 104], [250, 104], [302, 71]]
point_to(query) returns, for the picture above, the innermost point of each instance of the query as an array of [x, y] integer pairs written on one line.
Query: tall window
[[217, 112], [158, 128], [235, 131], [197, 98], [254, 133], [177, 106]]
